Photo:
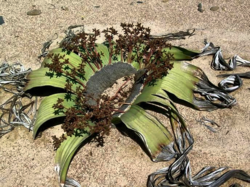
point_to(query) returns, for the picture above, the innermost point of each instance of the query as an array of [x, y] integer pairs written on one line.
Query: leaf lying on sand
[[12, 80], [204, 120], [242, 75], [231, 83], [65, 153], [218, 62], [174, 36], [207, 177]]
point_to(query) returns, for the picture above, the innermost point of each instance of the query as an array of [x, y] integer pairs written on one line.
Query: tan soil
[[121, 162]]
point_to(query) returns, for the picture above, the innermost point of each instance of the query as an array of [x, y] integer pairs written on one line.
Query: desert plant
[[75, 77]]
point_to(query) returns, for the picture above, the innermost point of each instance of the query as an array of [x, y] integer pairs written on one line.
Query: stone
[[214, 8], [34, 12], [1, 20], [65, 8], [200, 9]]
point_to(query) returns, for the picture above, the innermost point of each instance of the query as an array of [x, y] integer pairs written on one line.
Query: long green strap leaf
[[181, 81], [155, 96], [74, 61], [46, 112], [73, 58], [180, 53], [153, 133], [101, 48], [37, 78], [66, 152]]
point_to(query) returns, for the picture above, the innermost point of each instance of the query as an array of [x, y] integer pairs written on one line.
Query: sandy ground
[[121, 162]]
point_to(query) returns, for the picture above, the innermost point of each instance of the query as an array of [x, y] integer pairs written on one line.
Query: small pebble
[[1, 20], [65, 8], [138, 2], [200, 9], [34, 12], [214, 8], [224, 9], [97, 6]]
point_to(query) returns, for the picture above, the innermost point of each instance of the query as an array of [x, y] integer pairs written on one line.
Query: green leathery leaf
[[102, 48], [66, 151], [46, 112], [37, 78], [183, 81], [181, 53], [157, 97], [153, 133], [74, 60], [153, 94], [180, 81], [136, 65]]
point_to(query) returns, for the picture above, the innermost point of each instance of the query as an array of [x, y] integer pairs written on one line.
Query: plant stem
[[121, 55], [129, 54], [110, 50], [78, 81], [96, 54]]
